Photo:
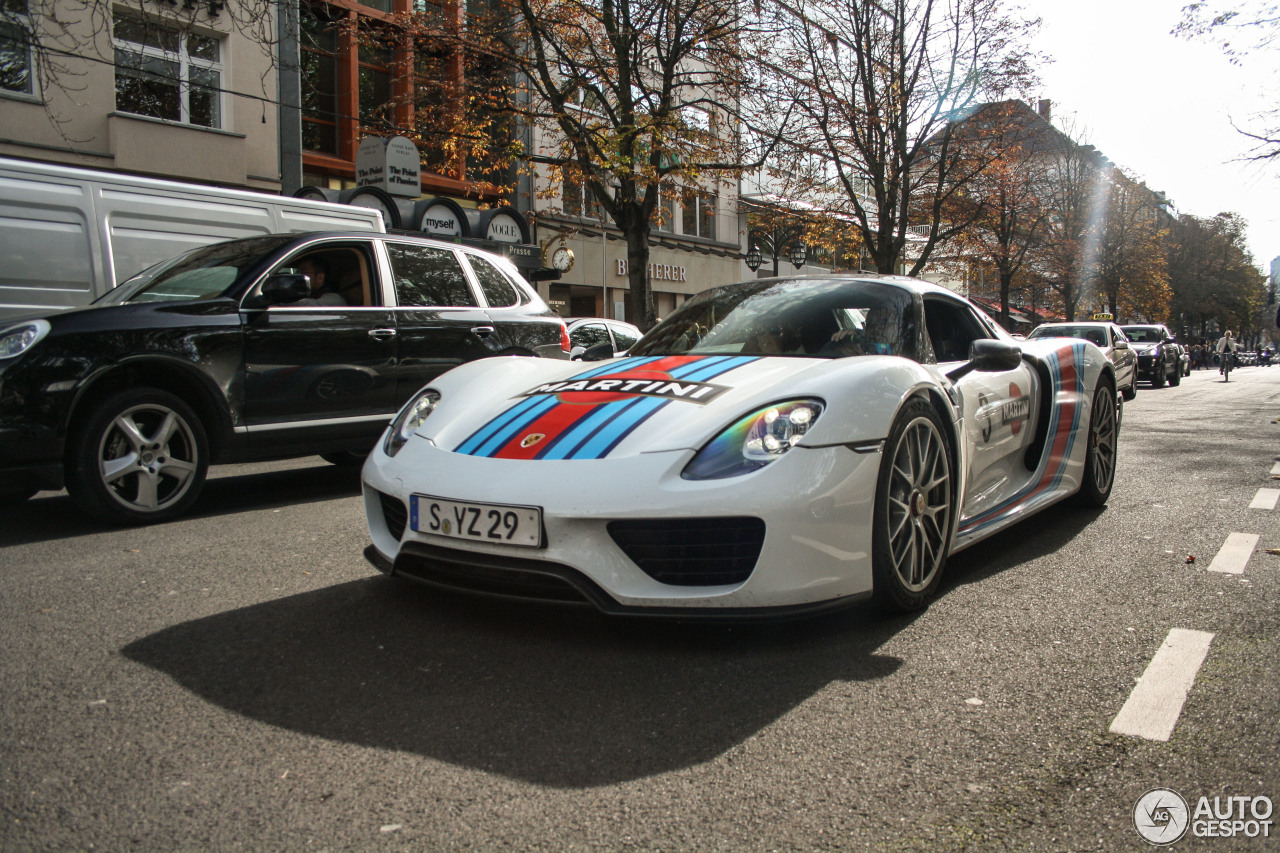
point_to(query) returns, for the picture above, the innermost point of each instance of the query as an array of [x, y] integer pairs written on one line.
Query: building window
[[699, 215], [318, 52], [579, 200], [350, 62], [166, 73], [375, 87], [16, 63], [664, 216]]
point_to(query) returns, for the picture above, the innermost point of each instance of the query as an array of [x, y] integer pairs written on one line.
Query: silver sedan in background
[[1110, 338]]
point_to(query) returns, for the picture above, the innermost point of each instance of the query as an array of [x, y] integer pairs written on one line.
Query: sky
[[1161, 106]]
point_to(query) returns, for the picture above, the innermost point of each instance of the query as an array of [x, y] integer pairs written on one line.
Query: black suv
[[1159, 355], [230, 353]]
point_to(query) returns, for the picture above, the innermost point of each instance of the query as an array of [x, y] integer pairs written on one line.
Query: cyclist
[[1227, 347]]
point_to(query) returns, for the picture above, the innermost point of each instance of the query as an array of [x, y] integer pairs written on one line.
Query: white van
[[69, 235]]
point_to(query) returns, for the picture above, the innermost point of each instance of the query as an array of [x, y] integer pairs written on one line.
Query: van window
[[428, 277]]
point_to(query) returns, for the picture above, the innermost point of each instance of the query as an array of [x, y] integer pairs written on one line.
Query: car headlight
[[19, 339], [754, 441], [409, 420]]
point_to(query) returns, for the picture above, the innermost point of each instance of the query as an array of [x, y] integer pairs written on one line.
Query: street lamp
[[799, 254]]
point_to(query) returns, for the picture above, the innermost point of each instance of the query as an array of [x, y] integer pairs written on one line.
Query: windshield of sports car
[[198, 274], [1144, 334], [1094, 334], [805, 318]]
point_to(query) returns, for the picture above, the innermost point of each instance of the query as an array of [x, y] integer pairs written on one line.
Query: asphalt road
[[242, 680]]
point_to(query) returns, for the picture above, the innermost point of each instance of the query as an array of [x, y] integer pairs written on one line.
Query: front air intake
[[394, 513], [692, 551]]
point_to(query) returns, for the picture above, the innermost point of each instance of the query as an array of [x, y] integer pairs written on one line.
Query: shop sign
[[391, 165], [441, 220], [504, 228], [658, 272]]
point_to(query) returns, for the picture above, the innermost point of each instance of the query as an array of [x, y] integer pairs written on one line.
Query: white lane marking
[[1235, 553], [1155, 704], [1275, 469], [1265, 499]]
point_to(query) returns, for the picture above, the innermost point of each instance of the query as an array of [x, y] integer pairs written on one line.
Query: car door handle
[[482, 331], [382, 334]]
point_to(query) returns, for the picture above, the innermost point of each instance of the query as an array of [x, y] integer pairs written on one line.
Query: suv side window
[[499, 292], [589, 334], [622, 340], [346, 274], [425, 277]]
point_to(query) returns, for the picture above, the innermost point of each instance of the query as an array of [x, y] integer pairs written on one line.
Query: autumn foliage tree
[[1247, 31], [877, 89], [1076, 197], [627, 99], [1212, 275], [1133, 275], [1005, 201]]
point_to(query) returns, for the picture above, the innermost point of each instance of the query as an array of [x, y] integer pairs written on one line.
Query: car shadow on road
[[1050, 531], [553, 695], [53, 515]]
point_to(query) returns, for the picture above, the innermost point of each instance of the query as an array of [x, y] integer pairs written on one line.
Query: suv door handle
[[382, 334], [482, 331]]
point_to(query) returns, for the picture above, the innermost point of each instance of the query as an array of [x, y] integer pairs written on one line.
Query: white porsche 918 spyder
[[775, 446]]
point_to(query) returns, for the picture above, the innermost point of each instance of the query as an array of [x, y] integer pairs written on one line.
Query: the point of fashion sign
[[392, 165], [658, 272]]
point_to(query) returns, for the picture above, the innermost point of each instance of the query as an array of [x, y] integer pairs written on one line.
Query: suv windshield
[[1144, 334], [803, 318], [199, 274]]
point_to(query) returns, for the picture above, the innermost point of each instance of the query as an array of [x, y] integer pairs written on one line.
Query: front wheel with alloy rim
[[141, 457], [1100, 456], [913, 509]]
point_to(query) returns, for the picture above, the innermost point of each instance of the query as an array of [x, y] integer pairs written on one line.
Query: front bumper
[[816, 506]]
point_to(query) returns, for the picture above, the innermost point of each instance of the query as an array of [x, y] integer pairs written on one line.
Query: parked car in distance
[[586, 332], [1159, 355], [259, 348], [1109, 338]]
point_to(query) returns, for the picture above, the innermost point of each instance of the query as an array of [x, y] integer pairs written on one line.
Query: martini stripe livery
[[576, 424]]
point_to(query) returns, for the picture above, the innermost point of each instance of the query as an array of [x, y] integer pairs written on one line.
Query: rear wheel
[[1100, 455], [141, 457], [913, 509], [1175, 378]]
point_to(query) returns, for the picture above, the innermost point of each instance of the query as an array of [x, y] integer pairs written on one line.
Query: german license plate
[[496, 523]]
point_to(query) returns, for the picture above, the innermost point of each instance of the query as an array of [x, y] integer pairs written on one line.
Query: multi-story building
[[194, 92], [225, 92], [155, 89], [695, 245]]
